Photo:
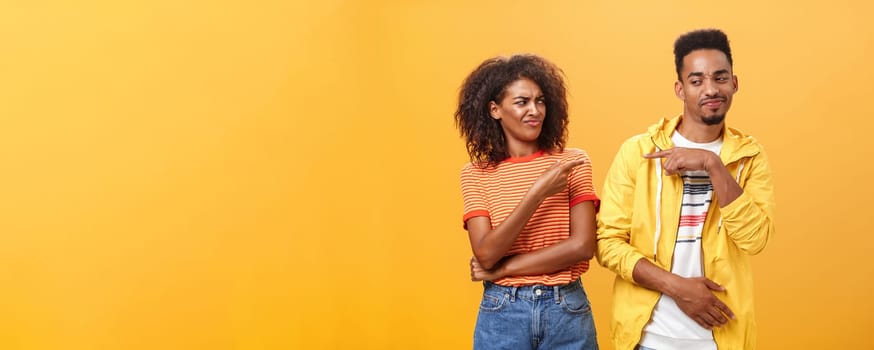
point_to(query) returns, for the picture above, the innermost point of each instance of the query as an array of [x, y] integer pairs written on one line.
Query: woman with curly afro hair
[[529, 207]]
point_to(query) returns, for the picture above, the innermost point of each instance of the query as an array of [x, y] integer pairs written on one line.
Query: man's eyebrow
[[700, 74]]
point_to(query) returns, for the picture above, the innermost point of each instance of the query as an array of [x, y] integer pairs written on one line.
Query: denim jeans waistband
[[533, 292]]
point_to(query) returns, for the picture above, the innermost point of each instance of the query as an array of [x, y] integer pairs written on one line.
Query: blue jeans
[[535, 317]]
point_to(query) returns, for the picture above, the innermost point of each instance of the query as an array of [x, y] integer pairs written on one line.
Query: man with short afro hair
[[685, 205]]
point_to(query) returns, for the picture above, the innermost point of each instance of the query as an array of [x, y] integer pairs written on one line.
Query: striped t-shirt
[[669, 325], [495, 193]]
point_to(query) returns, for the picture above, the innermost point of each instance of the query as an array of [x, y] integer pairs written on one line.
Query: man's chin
[[713, 119]]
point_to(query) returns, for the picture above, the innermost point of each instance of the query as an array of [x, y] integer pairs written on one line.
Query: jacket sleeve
[[615, 251], [749, 219]]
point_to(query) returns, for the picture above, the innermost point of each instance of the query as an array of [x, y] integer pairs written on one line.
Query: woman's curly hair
[[486, 144]]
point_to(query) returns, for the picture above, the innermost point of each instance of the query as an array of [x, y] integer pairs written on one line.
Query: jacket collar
[[735, 144]]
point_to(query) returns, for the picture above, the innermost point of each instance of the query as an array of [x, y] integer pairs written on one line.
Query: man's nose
[[710, 87]]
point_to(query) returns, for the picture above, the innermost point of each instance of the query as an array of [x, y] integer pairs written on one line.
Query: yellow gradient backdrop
[[284, 175]]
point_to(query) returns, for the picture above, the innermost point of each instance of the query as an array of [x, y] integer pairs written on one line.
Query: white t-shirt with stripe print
[[669, 327]]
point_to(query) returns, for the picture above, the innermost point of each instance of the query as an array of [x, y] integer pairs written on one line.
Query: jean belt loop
[[513, 294], [555, 291]]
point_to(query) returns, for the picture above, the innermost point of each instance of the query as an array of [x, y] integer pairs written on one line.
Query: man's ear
[[678, 90]]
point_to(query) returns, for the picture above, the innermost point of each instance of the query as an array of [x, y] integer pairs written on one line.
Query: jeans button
[[537, 292]]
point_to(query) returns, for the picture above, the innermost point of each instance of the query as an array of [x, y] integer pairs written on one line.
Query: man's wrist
[[671, 285], [712, 163]]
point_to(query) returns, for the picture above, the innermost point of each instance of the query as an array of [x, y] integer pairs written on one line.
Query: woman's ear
[[494, 112]]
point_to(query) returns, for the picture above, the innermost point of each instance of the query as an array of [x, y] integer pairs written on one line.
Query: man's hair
[[486, 144], [697, 40]]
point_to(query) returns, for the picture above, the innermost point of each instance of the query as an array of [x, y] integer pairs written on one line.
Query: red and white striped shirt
[[496, 192]]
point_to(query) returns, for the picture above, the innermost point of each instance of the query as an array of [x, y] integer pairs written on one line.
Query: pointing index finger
[[659, 154], [573, 164]]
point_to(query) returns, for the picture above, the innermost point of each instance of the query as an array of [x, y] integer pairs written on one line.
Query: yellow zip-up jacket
[[639, 217]]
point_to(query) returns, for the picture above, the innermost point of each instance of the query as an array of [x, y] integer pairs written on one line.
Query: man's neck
[[699, 132]]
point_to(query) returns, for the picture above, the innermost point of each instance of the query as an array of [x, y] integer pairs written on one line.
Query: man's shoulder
[[636, 143], [735, 132], [743, 141]]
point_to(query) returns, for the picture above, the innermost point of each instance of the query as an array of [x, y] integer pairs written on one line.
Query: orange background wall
[[284, 175]]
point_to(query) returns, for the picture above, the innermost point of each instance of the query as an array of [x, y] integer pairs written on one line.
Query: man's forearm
[[655, 278], [724, 185]]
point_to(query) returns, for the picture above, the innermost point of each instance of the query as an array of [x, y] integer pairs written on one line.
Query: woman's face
[[521, 112]]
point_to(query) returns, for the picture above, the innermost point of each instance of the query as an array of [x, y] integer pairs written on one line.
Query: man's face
[[706, 86]]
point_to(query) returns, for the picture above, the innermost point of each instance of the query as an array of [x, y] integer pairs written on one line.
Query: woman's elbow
[[485, 259], [585, 250]]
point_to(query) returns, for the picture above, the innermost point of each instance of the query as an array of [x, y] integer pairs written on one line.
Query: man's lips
[[713, 102]]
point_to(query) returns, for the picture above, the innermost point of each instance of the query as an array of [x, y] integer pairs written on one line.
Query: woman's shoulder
[[475, 169]]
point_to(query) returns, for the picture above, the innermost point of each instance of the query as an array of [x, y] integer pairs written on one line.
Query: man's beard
[[714, 119]]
